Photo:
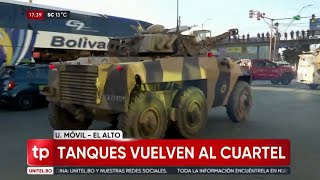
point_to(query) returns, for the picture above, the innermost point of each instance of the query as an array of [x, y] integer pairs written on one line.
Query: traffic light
[[258, 16], [313, 18], [297, 17], [251, 14]]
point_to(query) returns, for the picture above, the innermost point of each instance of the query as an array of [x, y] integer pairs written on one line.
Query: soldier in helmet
[[248, 37], [308, 34], [297, 34], [262, 35], [268, 35], [258, 35], [243, 37]]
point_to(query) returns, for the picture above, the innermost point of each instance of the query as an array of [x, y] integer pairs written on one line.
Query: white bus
[[309, 67]]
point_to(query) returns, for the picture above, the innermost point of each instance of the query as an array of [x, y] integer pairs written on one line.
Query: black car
[[20, 85]]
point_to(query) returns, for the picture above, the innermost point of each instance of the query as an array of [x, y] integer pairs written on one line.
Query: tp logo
[[40, 152]]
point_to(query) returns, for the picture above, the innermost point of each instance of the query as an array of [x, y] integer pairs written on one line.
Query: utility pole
[[271, 36], [178, 18], [276, 25]]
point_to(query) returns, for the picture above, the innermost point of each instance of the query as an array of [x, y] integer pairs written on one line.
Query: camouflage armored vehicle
[[156, 80]]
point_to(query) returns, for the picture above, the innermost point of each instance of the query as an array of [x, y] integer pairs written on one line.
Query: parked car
[[20, 85], [263, 69]]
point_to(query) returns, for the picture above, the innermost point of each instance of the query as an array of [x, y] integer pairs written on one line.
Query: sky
[[224, 14]]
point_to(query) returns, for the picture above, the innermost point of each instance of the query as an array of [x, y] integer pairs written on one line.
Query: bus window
[[21, 22], [7, 16]]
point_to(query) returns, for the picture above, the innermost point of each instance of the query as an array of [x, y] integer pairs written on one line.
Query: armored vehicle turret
[[158, 41], [149, 83]]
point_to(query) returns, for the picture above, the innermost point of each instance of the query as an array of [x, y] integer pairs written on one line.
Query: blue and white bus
[[52, 39]]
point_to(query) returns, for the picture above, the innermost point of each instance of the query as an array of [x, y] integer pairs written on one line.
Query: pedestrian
[[308, 34], [291, 34], [248, 37], [303, 34], [279, 35], [243, 37], [312, 33], [262, 35], [297, 34], [286, 36]]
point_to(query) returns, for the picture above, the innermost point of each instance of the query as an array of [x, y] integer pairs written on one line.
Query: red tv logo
[[40, 152]]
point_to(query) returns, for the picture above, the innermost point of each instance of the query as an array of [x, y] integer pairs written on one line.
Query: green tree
[[291, 55]]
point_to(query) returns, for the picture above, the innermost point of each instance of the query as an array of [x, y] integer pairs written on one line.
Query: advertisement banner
[[234, 50], [315, 26]]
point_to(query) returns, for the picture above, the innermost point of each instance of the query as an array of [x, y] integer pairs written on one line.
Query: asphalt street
[[290, 112]]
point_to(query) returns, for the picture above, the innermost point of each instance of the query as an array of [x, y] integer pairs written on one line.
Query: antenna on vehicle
[[139, 28]]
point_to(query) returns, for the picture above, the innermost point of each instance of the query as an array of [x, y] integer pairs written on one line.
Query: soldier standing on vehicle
[[248, 37], [262, 35], [258, 35], [291, 34], [243, 37], [303, 34], [297, 34], [268, 35], [286, 36], [308, 34]]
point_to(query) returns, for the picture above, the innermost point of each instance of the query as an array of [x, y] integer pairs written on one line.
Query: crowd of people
[[293, 35]]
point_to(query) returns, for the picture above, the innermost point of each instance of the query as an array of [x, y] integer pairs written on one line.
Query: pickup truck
[[263, 69]]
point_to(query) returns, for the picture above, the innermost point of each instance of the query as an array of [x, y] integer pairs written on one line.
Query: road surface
[[291, 112]]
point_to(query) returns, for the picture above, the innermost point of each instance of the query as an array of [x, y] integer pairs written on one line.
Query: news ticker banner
[[157, 170], [108, 150]]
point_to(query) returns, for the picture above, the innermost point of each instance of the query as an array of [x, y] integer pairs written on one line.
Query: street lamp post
[[205, 22]]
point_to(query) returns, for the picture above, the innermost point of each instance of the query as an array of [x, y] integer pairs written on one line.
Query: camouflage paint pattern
[[108, 86], [152, 61]]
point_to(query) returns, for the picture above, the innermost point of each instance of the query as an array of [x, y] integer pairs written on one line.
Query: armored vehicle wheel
[[192, 111], [313, 86], [61, 119], [275, 82], [240, 102], [146, 118]]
